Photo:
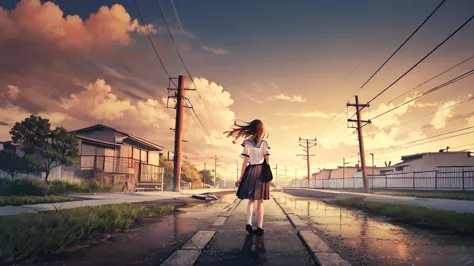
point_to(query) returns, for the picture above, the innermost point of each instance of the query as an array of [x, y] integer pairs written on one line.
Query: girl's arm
[[244, 165], [267, 158]]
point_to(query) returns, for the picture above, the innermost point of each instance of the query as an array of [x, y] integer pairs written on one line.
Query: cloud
[[293, 98], [33, 21], [217, 51], [290, 127], [13, 92], [252, 98], [439, 120], [175, 32], [314, 114]]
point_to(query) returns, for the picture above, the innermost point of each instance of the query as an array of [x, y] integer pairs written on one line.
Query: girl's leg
[[260, 213], [250, 212]]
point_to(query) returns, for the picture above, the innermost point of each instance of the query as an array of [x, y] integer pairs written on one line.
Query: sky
[[292, 64]]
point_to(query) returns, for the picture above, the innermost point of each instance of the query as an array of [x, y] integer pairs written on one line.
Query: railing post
[[386, 184], [414, 180], [436, 180], [462, 179]]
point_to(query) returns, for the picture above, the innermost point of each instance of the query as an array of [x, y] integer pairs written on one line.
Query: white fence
[[442, 179]]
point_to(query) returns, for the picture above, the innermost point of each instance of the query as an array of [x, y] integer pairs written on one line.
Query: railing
[[146, 173], [442, 179]]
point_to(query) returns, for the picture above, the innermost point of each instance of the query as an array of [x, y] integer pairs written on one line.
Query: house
[[344, 172], [115, 156], [323, 174], [431, 161]]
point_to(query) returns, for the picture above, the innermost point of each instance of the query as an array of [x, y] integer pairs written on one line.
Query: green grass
[[25, 187], [429, 194], [27, 200], [31, 234], [462, 223]]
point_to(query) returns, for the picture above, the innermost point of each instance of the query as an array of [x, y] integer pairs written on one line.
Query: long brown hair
[[254, 129]]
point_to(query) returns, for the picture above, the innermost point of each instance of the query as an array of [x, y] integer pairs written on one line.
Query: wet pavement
[[232, 245], [149, 244], [365, 240]]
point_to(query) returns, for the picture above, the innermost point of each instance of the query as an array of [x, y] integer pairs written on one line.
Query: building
[[122, 160], [117, 157], [431, 161], [323, 174], [344, 172]]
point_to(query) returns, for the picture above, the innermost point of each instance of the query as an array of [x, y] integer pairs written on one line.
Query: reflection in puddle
[[378, 242]]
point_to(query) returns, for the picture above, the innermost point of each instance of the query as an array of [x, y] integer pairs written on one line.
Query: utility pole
[[178, 136], [344, 167], [373, 165], [359, 122], [313, 143], [237, 169], [215, 168]]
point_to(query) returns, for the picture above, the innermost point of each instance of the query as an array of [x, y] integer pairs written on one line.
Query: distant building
[[323, 174], [431, 161], [344, 172]]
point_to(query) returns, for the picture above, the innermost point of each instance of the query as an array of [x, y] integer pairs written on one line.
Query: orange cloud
[[46, 22]]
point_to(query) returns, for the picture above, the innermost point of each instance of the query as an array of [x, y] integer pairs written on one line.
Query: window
[[144, 156]]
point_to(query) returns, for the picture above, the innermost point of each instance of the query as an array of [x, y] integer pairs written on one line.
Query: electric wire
[[456, 79], [422, 59], [447, 70], [403, 44]]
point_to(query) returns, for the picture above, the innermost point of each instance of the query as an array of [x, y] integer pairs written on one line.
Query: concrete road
[[365, 240], [232, 245], [104, 199], [440, 204], [151, 243]]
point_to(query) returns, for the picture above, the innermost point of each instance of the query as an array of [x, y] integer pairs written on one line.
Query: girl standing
[[255, 151]]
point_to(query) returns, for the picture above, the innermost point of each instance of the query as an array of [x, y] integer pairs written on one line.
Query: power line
[[415, 141], [182, 60], [462, 146], [421, 60], [400, 47], [142, 21], [440, 110], [449, 69], [456, 79], [180, 25]]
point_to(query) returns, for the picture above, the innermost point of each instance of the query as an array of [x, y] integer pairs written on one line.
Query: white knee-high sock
[[250, 212], [260, 213]]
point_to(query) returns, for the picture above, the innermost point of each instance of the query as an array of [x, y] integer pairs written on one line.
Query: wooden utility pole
[[313, 143], [359, 126], [178, 136]]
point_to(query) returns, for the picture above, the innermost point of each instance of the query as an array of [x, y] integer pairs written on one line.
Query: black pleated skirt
[[251, 187]]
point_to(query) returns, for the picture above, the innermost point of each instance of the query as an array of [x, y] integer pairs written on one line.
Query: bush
[[30, 234], [27, 200], [25, 187]]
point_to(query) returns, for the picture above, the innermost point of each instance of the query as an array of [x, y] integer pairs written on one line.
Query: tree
[[43, 147]]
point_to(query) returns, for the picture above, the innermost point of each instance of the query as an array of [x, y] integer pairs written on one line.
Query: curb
[[190, 251], [225, 213], [321, 253]]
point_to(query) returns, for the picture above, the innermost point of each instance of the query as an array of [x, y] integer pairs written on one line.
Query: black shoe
[[249, 229], [259, 231]]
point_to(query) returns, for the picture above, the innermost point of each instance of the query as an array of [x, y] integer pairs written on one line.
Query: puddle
[[149, 244], [365, 240]]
